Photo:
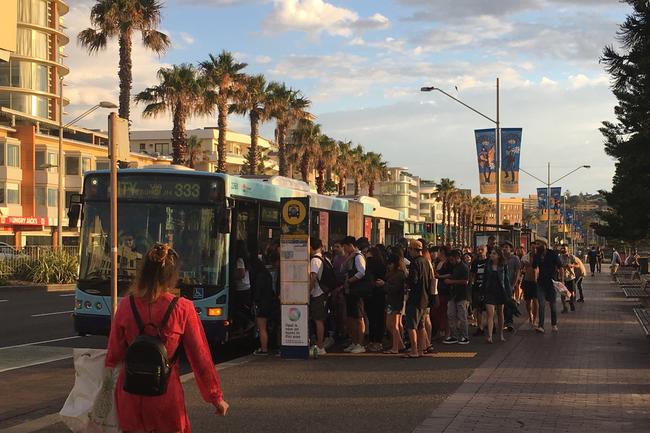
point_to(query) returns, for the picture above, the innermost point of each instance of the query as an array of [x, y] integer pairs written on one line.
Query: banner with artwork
[[510, 151], [542, 197], [486, 156], [556, 204]]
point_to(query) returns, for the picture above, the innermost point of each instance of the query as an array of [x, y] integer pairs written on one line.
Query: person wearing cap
[[548, 265], [419, 284]]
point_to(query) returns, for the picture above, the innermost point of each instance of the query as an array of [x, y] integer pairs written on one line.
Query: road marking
[[52, 314], [67, 294], [40, 342], [54, 418], [35, 363], [4, 300]]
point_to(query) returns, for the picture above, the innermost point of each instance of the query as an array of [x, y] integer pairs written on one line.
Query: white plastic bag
[[90, 407], [561, 289]]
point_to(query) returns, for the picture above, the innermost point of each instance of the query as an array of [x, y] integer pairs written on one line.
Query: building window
[[41, 199], [52, 161], [162, 148], [13, 193], [103, 165], [72, 165], [86, 165], [52, 195], [33, 11], [13, 155], [40, 156], [143, 147]]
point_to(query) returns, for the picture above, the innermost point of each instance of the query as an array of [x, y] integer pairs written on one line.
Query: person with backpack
[[265, 300], [322, 281], [376, 303], [356, 288], [147, 332]]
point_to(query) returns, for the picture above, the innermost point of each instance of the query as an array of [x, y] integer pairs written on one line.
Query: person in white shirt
[[242, 299], [354, 302], [317, 298], [616, 262]]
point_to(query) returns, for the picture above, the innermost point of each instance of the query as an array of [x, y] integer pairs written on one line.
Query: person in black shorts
[[419, 285], [265, 301], [477, 278], [356, 276], [529, 285]]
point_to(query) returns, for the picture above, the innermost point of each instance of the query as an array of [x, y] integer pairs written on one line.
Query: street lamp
[[548, 184], [60, 190], [498, 144]]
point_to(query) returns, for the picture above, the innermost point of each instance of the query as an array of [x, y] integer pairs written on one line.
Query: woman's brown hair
[[158, 272]]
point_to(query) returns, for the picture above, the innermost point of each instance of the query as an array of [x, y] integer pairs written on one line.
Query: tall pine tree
[[628, 139]]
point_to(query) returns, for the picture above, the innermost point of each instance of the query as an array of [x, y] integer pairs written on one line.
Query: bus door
[[269, 225], [243, 243]]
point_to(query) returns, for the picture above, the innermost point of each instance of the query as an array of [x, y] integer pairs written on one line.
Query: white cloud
[[580, 80], [547, 82], [318, 16], [263, 59], [186, 38]]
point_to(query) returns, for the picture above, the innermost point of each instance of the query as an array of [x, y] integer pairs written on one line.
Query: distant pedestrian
[[419, 284], [477, 281], [265, 300], [568, 275], [513, 267], [318, 298], [394, 286], [150, 301], [548, 264], [529, 285], [601, 257], [375, 304], [581, 272], [458, 300], [616, 263], [592, 258], [496, 292], [439, 316]]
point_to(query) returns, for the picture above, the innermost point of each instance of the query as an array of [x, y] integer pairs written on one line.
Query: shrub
[[52, 267]]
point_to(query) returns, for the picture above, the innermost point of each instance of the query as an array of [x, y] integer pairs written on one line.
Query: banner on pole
[[542, 197], [556, 204], [486, 156], [510, 152]]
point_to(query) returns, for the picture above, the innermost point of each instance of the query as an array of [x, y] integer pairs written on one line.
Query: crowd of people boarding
[[402, 299]]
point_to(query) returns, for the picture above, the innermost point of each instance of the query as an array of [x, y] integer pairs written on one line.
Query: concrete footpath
[[592, 376]]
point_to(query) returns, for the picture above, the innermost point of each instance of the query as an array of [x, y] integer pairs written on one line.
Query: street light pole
[[548, 184], [497, 158], [564, 220]]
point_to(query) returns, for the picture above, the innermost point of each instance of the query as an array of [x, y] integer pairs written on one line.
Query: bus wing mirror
[[223, 224], [74, 211]]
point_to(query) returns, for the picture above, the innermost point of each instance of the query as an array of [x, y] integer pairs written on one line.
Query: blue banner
[[486, 156], [556, 204], [510, 153], [542, 197]]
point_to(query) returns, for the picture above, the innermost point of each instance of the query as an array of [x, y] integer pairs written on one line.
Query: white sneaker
[[358, 349], [555, 328], [321, 351], [349, 348], [539, 329]]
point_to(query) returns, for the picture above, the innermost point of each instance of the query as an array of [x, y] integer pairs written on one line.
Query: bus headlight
[[215, 311], [78, 304]]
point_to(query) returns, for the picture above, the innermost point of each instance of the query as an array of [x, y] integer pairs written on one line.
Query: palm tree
[[358, 167], [445, 188], [289, 107], [121, 19], [195, 152], [180, 93], [224, 79], [376, 170], [326, 160], [306, 139], [343, 166], [253, 99]]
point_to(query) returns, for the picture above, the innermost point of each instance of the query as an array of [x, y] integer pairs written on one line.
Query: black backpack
[[327, 280], [146, 364]]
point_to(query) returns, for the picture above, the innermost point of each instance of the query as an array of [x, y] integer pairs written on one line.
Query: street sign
[[294, 277]]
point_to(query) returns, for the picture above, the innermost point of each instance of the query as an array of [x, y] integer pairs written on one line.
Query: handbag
[[561, 289], [90, 406]]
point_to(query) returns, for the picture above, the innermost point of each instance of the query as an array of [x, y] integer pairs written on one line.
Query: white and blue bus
[[202, 215]]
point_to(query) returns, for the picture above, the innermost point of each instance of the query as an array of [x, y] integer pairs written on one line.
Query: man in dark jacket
[[419, 284], [548, 263]]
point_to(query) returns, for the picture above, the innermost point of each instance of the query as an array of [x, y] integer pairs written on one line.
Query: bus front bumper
[[91, 324]]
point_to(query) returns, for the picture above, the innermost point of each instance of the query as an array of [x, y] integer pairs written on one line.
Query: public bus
[[203, 216]]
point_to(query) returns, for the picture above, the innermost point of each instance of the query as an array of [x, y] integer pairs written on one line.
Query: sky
[[362, 63]]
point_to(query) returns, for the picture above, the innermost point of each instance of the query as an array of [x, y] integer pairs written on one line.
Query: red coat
[[165, 413]]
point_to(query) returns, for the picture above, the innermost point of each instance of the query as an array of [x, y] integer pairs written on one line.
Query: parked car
[[9, 252]]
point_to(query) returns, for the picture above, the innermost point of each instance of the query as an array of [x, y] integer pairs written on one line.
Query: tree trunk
[[357, 186], [341, 185], [304, 168], [124, 74], [179, 137], [252, 151], [320, 180], [282, 149], [444, 224], [371, 188], [222, 123]]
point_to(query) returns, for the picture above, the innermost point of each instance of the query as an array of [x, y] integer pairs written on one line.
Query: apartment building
[[402, 192], [32, 42], [237, 145], [511, 211]]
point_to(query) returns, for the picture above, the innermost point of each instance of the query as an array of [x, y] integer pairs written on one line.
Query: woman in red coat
[[165, 413]]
